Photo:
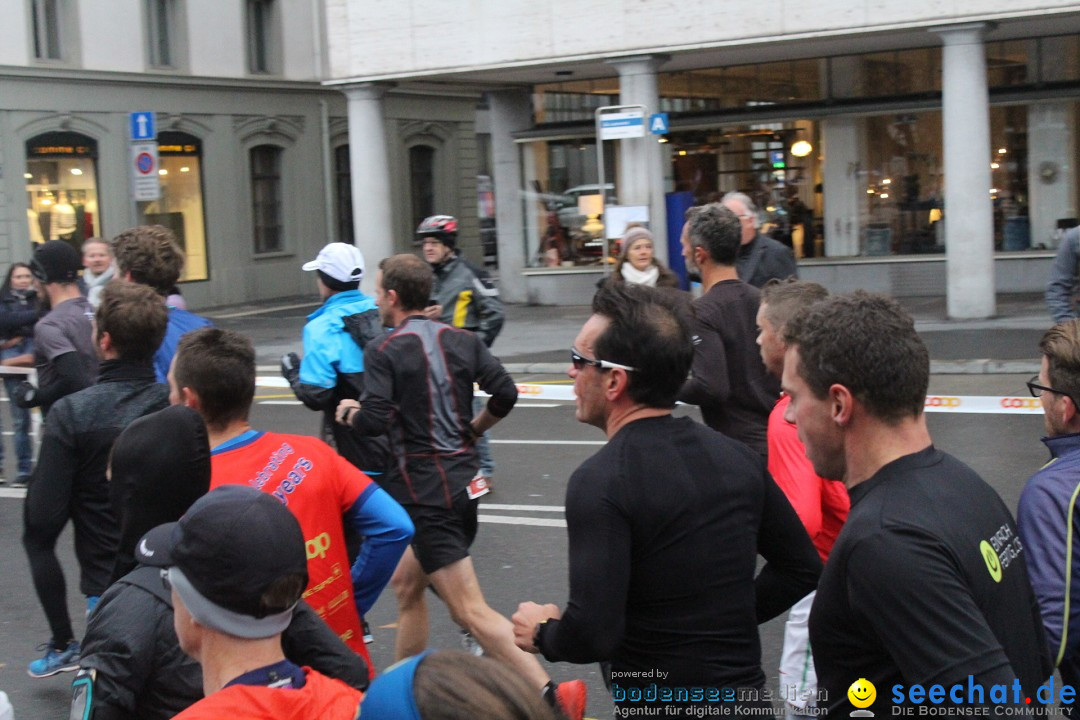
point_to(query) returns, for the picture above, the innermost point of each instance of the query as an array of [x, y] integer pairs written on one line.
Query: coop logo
[[942, 401], [317, 546], [1021, 403]]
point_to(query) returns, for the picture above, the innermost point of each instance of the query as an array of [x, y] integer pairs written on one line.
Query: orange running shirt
[[318, 486]]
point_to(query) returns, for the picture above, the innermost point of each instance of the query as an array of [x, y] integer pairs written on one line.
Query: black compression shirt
[[665, 524], [908, 596]]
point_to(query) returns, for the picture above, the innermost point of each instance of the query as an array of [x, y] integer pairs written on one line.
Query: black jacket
[[77, 438], [17, 315], [141, 670]]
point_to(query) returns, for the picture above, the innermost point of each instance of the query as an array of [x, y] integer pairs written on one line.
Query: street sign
[[142, 126], [629, 124], [144, 172], [658, 123]]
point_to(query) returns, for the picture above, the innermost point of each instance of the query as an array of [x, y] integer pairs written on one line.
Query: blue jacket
[[332, 370], [1048, 530], [180, 322]]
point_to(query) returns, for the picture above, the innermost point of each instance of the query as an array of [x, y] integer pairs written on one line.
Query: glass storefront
[[61, 188], [892, 185], [180, 207]]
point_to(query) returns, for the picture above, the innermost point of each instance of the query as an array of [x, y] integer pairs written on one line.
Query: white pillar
[[843, 140], [969, 218], [641, 174], [373, 218], [510, 111]]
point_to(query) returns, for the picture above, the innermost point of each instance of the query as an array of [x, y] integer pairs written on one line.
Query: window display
[[180, 207], [61, 188]]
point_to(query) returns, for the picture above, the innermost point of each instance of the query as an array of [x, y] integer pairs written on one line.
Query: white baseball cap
[[340, 260]]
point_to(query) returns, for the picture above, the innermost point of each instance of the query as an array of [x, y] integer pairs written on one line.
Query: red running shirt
[[821, 504], [318, 486]]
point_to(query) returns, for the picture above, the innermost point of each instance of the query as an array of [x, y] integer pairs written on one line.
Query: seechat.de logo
[[1021, 403]]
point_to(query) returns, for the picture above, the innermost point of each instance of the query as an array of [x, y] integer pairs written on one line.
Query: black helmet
[[443, 227]]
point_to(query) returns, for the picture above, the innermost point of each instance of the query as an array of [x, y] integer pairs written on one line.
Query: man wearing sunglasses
[[65, 354], [1047, 507], [665, 524]]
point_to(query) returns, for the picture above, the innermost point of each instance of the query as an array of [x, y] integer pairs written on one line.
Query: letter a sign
[[658, 123]]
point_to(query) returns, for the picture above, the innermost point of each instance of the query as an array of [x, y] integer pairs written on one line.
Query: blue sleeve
[[387, 531], [317, 368]]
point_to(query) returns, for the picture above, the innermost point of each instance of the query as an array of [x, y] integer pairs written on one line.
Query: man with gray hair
[[728, 379], [760, 258]]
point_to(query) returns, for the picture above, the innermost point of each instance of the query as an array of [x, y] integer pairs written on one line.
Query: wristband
[[538, 633]]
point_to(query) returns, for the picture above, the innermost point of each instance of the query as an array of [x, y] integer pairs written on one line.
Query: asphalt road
[[520, 553]]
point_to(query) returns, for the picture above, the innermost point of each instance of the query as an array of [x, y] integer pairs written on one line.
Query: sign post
[[145, 185], [615, 122]]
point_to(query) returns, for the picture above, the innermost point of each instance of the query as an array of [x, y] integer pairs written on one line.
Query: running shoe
[[56, 660], [21, 481], [570, 697], [368, 637], [91, 603]]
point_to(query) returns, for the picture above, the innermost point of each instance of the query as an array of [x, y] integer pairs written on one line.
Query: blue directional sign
[[627, 124], [658, 123], [142, 126]]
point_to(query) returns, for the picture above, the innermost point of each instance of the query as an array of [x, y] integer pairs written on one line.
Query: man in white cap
[[332, 369]]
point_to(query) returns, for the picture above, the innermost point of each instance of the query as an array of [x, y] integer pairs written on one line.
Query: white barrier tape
[[976, 404]]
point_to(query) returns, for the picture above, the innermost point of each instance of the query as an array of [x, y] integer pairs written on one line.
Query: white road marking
[[512, 520], [523, 508]]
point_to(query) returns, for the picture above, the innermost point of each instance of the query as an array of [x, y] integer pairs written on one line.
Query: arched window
[[266, 198], [180, 207], [422, 182], [343, 190], [61, 188]]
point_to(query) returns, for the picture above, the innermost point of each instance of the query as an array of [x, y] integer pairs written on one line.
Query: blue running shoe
[[91, 603], [56, 660]]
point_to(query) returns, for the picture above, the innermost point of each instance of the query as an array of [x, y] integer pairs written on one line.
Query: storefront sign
[[615, 126], [144, 172]]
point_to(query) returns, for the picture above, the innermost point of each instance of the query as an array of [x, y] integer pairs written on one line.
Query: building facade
[[910, 147]]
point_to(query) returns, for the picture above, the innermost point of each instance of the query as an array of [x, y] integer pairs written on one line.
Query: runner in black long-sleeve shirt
[[665, 523], [418, 388]]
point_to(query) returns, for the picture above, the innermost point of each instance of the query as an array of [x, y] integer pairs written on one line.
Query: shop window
[[343, 192], [61, 188], [161, 33], [261, 38], [46, 16], [266, 198], [422, 182], [180, 207], [558, 174]]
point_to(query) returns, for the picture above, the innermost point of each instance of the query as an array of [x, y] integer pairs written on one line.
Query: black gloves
[[25, 395], [290, 367]]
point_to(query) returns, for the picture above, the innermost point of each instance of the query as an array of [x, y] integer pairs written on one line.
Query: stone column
[[373, 218], [510, 111], [641, 175], [844, 141], [969, 213]]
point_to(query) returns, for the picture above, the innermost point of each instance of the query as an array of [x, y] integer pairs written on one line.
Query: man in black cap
[[64, 352], [237, 566]]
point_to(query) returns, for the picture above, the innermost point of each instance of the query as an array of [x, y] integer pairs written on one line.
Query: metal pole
[[600, 165]]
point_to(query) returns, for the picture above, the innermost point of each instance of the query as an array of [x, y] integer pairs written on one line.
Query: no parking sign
[[144, 171]]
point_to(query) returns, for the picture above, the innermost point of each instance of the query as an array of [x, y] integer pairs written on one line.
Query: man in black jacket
[[70, 479]]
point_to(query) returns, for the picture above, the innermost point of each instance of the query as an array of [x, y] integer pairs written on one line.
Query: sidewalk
[[537, 339]]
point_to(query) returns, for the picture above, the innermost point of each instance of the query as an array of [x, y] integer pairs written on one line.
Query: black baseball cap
[[56, 262], [236, 559]]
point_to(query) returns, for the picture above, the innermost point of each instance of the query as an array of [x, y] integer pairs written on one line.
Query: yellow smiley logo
[[993, 563], [862, 693]]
